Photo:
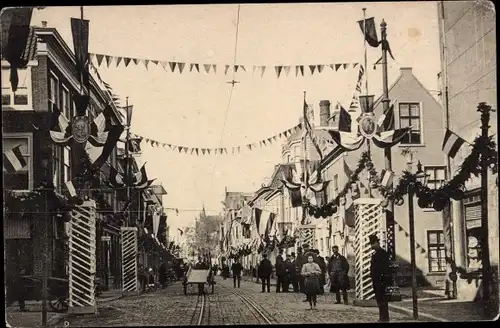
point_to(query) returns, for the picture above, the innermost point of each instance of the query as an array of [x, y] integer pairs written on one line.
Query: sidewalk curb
[[60, 317], [404, 310]]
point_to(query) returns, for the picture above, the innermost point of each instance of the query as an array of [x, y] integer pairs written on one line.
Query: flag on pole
[[370, 32], [452, 143], [128, 111], [13, 160], [80, 33], [386, 177], [71, 188], [386, 120]]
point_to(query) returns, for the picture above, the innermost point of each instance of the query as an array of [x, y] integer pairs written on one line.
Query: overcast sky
[[191, 109]]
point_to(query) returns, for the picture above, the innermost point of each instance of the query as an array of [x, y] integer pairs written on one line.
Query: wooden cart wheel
[[59, 304]]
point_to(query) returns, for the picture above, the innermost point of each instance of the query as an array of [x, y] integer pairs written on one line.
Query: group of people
[[307, 274]]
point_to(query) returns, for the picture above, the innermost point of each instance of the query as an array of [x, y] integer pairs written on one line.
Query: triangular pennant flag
[[249, 146], [320, 68], [346, 65], [354, 65], [197, 153], [285, 134], [99, 59], [287, 69], [203, 151], [253, 69], [197, 66], [301, 68], [118, 60], [214, 68], [172, 66], [226, 69], [331, 66], [191, 66], [164, 65], [186, 149], [152, 143], [236, 68], [181, 66], [278, 70], [269, 140], [262, 70], [136, 60], [243, 68], [155, 62], [238, 149], [209, 150], [180, 148], [337, 66], [164, 145], [146, 62], [264, 142], [312, 68], [207, 68], [275, 138]]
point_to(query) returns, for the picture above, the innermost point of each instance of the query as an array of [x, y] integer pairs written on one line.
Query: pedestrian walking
[[265, 270], [311, 272], [162, 271], [236, 268], [303, 260], [338, 269], [293, 273], [225, 271], [322, 265], [280, 275], [381, 277]]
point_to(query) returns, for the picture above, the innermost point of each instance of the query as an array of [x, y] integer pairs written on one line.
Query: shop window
[[473, 230], [436, 251]]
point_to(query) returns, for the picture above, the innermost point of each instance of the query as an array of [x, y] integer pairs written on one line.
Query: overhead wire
[[231, 90]]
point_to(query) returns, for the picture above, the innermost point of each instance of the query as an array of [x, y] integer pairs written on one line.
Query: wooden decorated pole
[[485, 110], [82, 259], [129, 235], [368, 220]]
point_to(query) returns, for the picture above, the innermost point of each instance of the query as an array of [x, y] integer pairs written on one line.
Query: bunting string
[[221, 150], [183, 67]]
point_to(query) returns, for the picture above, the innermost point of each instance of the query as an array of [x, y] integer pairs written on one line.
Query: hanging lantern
[[384, 203], [399, 201], [457, 194], [342, 201], [423, 201], [439, 204]]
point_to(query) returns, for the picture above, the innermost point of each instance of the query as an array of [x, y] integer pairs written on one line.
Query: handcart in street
[[203, 278]]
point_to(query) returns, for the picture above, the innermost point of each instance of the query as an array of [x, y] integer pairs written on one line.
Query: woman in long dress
[[311, 272]]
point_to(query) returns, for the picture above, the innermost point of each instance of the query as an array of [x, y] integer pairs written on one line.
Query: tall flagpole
[[389, 219], [366, 74], [304, 169], [127, 161]]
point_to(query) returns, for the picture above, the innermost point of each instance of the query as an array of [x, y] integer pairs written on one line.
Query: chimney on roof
[[44, 23], [405, 70], [324, 112]]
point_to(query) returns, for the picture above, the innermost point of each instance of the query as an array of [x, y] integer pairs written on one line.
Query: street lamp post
[[421, 177]]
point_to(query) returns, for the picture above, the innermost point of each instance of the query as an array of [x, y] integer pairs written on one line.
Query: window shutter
[[473, 216]]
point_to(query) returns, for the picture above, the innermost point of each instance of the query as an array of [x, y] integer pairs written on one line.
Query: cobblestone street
[[227, 306]]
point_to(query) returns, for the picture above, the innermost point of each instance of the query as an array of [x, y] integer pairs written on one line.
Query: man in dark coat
[[289, 268], [16, 288], [265, 270], [381, 275], [293, 273], [280, 275], [163, 274], [338, 269], [236, 268], [322, 279], [299, 262]]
